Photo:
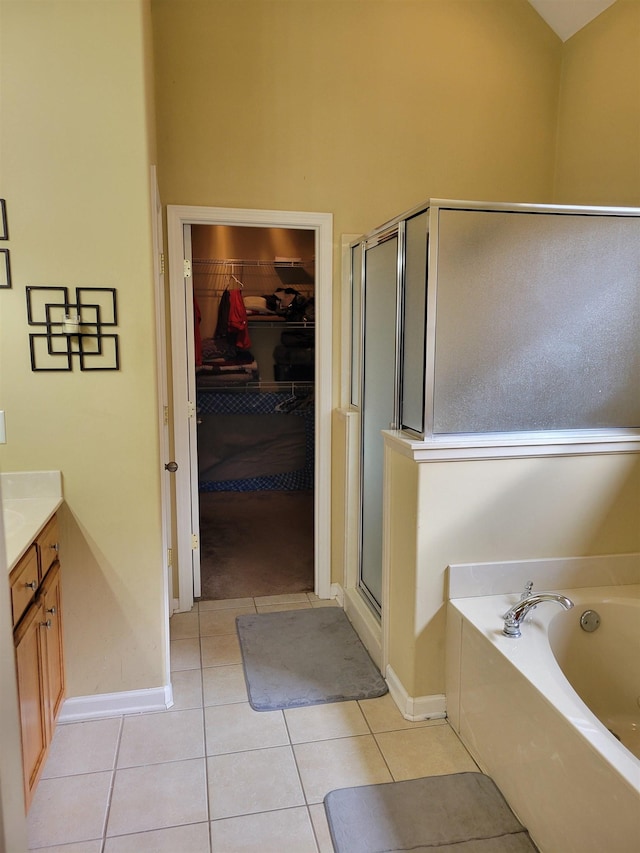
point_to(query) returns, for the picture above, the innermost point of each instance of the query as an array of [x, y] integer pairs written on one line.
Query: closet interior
[[254, 373]]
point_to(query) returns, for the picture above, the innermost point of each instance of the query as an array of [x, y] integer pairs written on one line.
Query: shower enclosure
[[472, 320]]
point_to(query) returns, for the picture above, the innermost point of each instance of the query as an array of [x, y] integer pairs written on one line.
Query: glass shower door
[[378, 402]]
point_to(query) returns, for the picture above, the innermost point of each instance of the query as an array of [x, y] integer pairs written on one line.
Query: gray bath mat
[[294, 658], [462, 812]]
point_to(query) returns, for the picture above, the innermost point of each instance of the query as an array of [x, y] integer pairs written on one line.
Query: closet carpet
[[255, 543]]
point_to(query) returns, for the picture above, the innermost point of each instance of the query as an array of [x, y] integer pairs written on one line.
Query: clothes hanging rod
[[260, 385], [255, 263], [214, 292]]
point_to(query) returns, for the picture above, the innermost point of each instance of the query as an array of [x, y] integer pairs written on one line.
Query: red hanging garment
[[238, 319]]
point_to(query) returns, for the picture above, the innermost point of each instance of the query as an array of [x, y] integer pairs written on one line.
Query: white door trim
[[322, 223]]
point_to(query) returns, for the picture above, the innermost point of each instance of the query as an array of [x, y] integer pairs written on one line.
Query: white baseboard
[[79, 708], [338, 593], [415, 708]]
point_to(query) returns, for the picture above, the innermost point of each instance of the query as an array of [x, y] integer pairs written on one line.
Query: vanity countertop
[[29, 499]]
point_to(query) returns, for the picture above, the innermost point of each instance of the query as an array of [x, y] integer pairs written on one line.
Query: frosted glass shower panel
[[537, 322], [414, 320]]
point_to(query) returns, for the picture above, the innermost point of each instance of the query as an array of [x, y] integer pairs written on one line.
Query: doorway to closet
[[181, 221], [254, 352]]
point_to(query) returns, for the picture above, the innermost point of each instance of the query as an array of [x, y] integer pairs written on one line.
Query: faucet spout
[[514, 616]]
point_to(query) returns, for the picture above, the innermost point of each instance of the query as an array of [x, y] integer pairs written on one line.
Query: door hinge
[[161, 263], [169, 556], [191, 409], [187, 268], [165, 415], [195, 542]]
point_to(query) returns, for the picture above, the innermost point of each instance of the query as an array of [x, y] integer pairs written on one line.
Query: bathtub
[[539, 713]]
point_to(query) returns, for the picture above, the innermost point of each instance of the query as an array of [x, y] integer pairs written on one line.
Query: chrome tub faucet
[[514, 616]]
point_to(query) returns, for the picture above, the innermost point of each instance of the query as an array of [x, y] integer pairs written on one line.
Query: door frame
[[183, 397], [163, 404]]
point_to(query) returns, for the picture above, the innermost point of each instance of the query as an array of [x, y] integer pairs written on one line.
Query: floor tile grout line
[[295, 758], [112, 785], [302, 788], [313, 827], [204, 740], [148, 831]]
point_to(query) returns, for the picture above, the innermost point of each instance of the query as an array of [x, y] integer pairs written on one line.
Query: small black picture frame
[[5, 268], [4, 224]]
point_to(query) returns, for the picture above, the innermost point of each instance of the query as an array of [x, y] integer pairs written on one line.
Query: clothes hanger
[[287, 404]]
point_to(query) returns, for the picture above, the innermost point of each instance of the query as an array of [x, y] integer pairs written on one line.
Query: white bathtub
[[571, 782]]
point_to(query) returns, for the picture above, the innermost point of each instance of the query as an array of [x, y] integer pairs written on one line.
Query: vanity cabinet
[[37, 614]]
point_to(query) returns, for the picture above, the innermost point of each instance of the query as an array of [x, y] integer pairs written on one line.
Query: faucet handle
[[527, 590], [523, 597]]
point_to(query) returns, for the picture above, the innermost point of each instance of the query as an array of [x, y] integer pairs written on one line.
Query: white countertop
[[29, 499]]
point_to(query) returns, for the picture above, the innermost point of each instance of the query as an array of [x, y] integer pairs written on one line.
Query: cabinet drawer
[[24, 582], [48, 546]]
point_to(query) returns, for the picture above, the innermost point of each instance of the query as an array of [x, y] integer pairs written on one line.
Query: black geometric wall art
[[5, 264], [73, 328], [5, 268], [4, 224]]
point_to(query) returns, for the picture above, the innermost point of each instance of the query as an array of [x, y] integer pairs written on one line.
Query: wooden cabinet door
[[48, 546], [31, 691], [51, 598]]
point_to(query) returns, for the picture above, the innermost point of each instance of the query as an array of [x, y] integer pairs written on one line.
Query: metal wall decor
[[4, 224], [73, 327], [5, 268], [5, 264]]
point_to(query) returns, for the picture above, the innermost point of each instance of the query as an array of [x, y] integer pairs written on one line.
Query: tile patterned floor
[[213, 776]]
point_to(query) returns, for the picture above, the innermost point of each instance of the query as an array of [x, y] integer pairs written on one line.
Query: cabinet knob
[[52, 611], [55, 547], [172, 467], [46, 624], [31, 585]]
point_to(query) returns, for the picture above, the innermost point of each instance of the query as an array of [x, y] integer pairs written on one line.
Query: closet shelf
[[277, 323], [257, 277]]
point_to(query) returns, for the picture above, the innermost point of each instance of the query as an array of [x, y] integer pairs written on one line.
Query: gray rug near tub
[[461, 812], [294, 658]]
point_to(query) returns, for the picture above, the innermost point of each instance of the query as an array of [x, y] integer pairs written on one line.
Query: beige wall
[[75, 155], [598, 155]]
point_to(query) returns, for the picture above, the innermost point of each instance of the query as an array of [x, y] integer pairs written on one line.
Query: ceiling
[[566, 17]]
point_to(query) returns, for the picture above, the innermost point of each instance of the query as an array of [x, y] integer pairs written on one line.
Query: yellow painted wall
[[490, 511], [598, 155], [403, 524], [75, 154], [361, 109]]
